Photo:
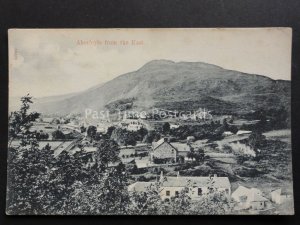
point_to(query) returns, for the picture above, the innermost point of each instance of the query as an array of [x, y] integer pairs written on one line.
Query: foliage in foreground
[[39, 183]]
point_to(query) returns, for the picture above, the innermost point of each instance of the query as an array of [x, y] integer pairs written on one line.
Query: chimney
[[161, 176]]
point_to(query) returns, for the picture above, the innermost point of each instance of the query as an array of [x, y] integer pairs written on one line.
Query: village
[[163, 152]]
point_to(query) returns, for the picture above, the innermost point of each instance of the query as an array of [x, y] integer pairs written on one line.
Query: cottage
[[169, 152], [163, 151], [278, 196], [249, 198], [197, 186], [182, 148]]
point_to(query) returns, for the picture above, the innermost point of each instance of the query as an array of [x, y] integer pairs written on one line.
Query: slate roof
[[141, 186], [217, 182], [181, 147], [158, 143]]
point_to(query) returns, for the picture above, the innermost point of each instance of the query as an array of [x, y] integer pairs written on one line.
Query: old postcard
[[150, 122]]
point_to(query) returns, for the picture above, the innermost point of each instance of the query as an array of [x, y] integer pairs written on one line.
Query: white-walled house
[[197, 186], [278, 196], [249, 198]]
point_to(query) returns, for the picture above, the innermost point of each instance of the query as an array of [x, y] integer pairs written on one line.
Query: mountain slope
[[165, 84]]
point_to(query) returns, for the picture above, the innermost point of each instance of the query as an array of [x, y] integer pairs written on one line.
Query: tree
[[82, 129], [21, 121], [108, 196], [141, 133], [107, 152], [42, 136], [109, 131], [28, 166], [225, 124], [166, 128], [256, 140], [58, 135], [91, 132], [151, 136], [233, 129], [191, 154], [199, 155], [123, 136]]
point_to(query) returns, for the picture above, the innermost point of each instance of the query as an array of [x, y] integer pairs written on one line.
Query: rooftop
[[217, 182], [141, 186]]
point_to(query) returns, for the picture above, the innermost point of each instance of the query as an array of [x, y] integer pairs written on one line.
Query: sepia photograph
[[156, 121]]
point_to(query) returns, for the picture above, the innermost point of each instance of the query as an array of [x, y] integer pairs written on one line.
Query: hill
[[182, 85]]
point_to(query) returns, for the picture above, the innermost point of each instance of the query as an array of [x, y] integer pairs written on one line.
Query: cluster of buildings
[[172, 186], [242, 199]]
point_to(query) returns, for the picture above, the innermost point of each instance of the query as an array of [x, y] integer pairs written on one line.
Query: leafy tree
[[107, 152], [191, 154], [108, 196], [233, 129], [20, 122], [58, 135], [225, 124], [91, 132], [42, 136], [141, 133], [123, 137], [166, 128], [256, 140], [82, 129], [151, 136], [199, 155], [29, 182], [109, 131]]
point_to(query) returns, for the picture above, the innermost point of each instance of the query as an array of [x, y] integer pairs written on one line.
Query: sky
[[48, 62]]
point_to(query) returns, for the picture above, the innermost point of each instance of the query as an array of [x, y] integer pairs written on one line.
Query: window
[[176, 193], [199, 191], [167, 193]]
